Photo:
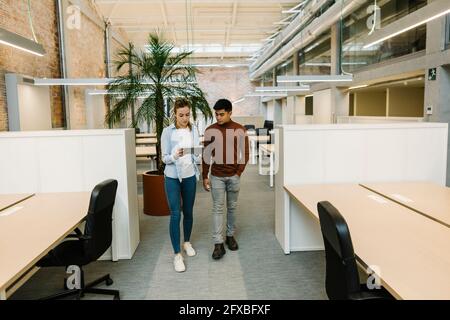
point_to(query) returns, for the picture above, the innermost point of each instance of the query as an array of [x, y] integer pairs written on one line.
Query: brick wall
[[231, 84], [85, 59], [85, 54], [14, 17]]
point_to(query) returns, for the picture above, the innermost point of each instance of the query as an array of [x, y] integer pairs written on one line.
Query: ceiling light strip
[[315, 78]]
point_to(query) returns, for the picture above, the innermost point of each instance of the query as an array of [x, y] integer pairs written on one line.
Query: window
[[447, 33], [357, 26], [315, 59], [286, 68], [309, 105], [267, 79]]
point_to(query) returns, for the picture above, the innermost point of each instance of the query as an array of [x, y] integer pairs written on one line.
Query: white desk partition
[[74, 161], [362, 119], [350, 153]]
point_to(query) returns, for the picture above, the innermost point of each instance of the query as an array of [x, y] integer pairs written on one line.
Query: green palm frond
[[153, 76]]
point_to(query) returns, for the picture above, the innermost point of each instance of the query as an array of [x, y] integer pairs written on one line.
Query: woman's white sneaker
[[178, 263], [187, 246]]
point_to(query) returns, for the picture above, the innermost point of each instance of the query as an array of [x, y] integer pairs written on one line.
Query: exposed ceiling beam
[[163, 11], [288, 3], [174, 34], [113, 9], [234, 14], [198, 28]]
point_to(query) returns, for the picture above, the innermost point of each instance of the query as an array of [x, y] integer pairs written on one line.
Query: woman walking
[[180, 176]]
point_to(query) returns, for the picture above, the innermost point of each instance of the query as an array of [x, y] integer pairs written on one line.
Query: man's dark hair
[[223, 104]]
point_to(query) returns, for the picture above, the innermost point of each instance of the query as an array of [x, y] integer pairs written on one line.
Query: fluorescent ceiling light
[[262, 94], [18, 42], [103, 93], [99, 92], [238, 101], [433, 10], [106, 93], [295, 9], [317, 64], [72, 82], [282, 89], [82, 82], [328, 64], [215, 65], [315, 78], [358, 87]]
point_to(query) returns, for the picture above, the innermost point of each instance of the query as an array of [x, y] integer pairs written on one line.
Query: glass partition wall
[[447, 32], [315, 58], [373, 14]]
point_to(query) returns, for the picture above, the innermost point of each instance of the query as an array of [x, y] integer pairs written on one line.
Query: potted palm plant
[[158, 76]]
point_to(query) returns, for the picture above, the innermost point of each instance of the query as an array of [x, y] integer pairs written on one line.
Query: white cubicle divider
[[303, 119], [350, 153], [72, 161], [363, 119]]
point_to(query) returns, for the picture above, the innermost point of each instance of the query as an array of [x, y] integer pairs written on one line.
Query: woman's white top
[[182, 138]]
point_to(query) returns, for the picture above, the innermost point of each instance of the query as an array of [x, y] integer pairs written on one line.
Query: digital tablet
[[194, 150]]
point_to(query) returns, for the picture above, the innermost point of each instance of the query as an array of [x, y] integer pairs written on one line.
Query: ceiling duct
[[308, 34]]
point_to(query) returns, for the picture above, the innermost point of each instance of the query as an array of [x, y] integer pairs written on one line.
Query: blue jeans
[[176, 191]]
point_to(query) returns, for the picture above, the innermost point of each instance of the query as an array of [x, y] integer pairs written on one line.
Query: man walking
[[226, 153]]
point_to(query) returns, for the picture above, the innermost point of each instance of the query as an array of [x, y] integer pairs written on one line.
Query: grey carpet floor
[[258, 270]]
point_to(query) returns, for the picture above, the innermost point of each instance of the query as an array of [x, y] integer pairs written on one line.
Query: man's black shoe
[[219, 251], [232, 244]]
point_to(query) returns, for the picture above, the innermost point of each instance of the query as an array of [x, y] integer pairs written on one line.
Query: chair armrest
[[377, 294], [364, 296], [80, 237]]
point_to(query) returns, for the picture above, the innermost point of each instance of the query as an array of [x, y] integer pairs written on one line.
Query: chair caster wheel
[[109, 282]]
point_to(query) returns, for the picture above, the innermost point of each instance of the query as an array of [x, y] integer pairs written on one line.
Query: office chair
[[88, 247], [249, 127], [342, 278], [268, 124]]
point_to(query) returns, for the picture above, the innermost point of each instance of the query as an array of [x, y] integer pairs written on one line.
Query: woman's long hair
[[180, 103]]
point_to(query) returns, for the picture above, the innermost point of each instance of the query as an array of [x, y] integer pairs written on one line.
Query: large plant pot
[[155, 200]]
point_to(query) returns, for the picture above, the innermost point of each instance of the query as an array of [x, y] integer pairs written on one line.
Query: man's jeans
[[219, 187]]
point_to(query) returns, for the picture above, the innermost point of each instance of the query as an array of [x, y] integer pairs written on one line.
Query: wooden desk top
[[428, 199], [410, 249], [8, 200], [145, 151], [267, 147], [259, 138], [34, 227], [145, 135], [146, 141], [251, 132]]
